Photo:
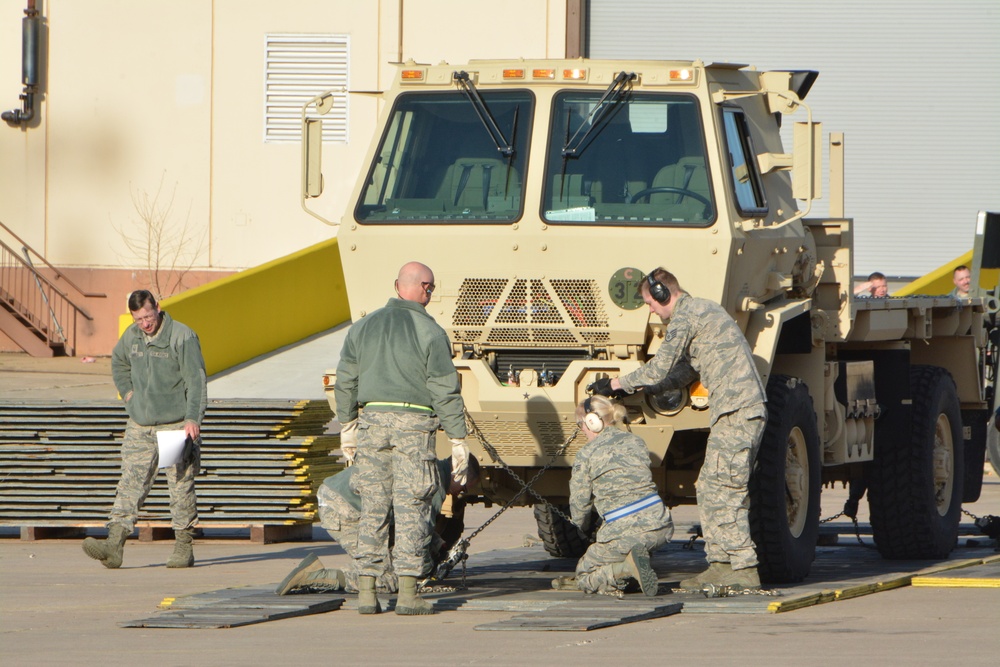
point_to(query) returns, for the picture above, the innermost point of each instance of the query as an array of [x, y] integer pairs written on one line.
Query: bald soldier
[[396, 386], [703, 341]]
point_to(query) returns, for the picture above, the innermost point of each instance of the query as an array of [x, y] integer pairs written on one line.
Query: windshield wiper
[[505, 147], [612, 96]]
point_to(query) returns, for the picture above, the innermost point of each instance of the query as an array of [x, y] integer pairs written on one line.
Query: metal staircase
[[34, 312]]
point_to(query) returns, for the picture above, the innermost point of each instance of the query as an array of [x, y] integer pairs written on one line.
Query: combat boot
[[109, 551], [713, 575], [636, 565], [311, 574], [409, 602], [565, 584], [746, 577], [183, 555], [367, 600]]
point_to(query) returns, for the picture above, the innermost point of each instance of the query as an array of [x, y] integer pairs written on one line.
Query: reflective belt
[[632, 508], [410, 406]]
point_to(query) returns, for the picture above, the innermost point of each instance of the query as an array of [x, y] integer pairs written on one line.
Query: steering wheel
[[666, 188]]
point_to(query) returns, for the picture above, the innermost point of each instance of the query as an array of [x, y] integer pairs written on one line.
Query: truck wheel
[[561, 538], [915, 488], [785, 485]]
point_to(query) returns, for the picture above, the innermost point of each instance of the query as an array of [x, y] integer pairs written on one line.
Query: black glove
[[603, 387]]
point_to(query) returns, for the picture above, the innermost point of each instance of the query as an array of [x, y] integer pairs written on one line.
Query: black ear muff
[[592, 419], [658, 290]]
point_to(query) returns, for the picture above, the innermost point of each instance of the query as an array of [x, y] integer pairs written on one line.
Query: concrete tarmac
[[58, 607]]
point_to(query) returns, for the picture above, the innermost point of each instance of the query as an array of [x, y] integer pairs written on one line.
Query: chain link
[[974, 518], [458, 552], [525, 486]]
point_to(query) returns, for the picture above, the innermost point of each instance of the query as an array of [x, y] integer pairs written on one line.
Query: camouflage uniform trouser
[[140, 457], [650, 529], [723, 496], [396, 478], [339, 518]]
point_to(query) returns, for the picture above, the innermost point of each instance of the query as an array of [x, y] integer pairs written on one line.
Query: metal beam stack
[[261, 462]]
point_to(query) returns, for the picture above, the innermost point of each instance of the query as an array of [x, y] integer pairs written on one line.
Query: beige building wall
[[163, 101]]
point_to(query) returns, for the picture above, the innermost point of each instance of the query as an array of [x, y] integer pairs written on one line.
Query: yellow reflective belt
[[399, 405]]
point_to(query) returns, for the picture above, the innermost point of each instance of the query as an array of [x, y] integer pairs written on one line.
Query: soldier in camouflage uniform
[[702, 340], [611, 475], [396, 364], [340, 513], [159, 371]]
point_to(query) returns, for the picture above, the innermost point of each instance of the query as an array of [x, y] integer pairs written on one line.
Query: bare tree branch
[[165, 248]]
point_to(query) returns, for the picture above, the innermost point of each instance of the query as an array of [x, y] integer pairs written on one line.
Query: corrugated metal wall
[[914, 84]]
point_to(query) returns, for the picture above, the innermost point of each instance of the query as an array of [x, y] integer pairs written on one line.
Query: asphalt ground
[[58, 607]]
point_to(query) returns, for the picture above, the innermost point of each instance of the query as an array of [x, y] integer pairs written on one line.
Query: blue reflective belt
[[632, 508], [412, 406]]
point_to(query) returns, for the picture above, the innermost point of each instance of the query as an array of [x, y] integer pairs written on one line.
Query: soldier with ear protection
[[703, 341], [611, 475]]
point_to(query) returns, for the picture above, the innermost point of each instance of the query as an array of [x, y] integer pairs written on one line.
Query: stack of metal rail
[[261, 462]]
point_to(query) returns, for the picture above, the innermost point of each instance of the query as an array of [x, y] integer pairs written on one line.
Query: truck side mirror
[[807, 161], [312, 158]]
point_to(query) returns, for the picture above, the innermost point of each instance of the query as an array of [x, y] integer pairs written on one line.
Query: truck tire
[[977, 422], [561, 538], [785, 484], [915, 485]]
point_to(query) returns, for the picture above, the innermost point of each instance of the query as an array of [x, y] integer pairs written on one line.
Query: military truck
[[541, 192]]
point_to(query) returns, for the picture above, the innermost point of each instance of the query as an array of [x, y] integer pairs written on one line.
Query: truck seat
[[480, 185], [688, 173]]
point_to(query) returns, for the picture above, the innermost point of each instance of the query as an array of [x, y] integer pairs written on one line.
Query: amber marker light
[[574, 74], [513, 74], [543, 74], [699, 395], [412, 75], [681, 75]]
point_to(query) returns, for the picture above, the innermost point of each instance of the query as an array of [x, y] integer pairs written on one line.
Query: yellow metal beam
[[259, 310], [939, 281]]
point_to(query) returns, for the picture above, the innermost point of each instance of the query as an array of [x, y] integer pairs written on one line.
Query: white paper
[[171, 446], [578, 214]]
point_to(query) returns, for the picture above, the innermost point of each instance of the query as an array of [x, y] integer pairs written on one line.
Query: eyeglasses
[[147, 318], [428, 287]]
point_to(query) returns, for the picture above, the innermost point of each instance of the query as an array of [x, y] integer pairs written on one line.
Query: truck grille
[[518, 438], [532, 312]]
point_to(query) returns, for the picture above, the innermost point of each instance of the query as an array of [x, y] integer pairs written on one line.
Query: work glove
[[459, 461], [603, 387], [349, 440]]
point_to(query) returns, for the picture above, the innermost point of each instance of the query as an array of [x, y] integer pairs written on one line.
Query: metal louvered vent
[[529, 312], [518, 438], [298, 67]]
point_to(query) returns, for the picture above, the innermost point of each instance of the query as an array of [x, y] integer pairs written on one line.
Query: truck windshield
[[644, 164], [437, 162]]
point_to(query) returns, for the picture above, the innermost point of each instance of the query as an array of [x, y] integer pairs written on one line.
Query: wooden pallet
[[259, 533]]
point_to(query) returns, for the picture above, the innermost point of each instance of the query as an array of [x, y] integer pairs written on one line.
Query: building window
[[298, 67]]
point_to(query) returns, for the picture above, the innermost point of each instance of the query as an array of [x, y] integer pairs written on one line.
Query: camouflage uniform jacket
[[165, 374], [399, 354], [702, 334], [609, 472]]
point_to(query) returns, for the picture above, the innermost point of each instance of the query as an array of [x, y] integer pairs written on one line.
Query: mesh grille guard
[[531, 312]]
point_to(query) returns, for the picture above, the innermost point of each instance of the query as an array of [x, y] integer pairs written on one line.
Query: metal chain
[[458, 552], [974, 518], [723, 591], [857, 527], [525, 486]]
